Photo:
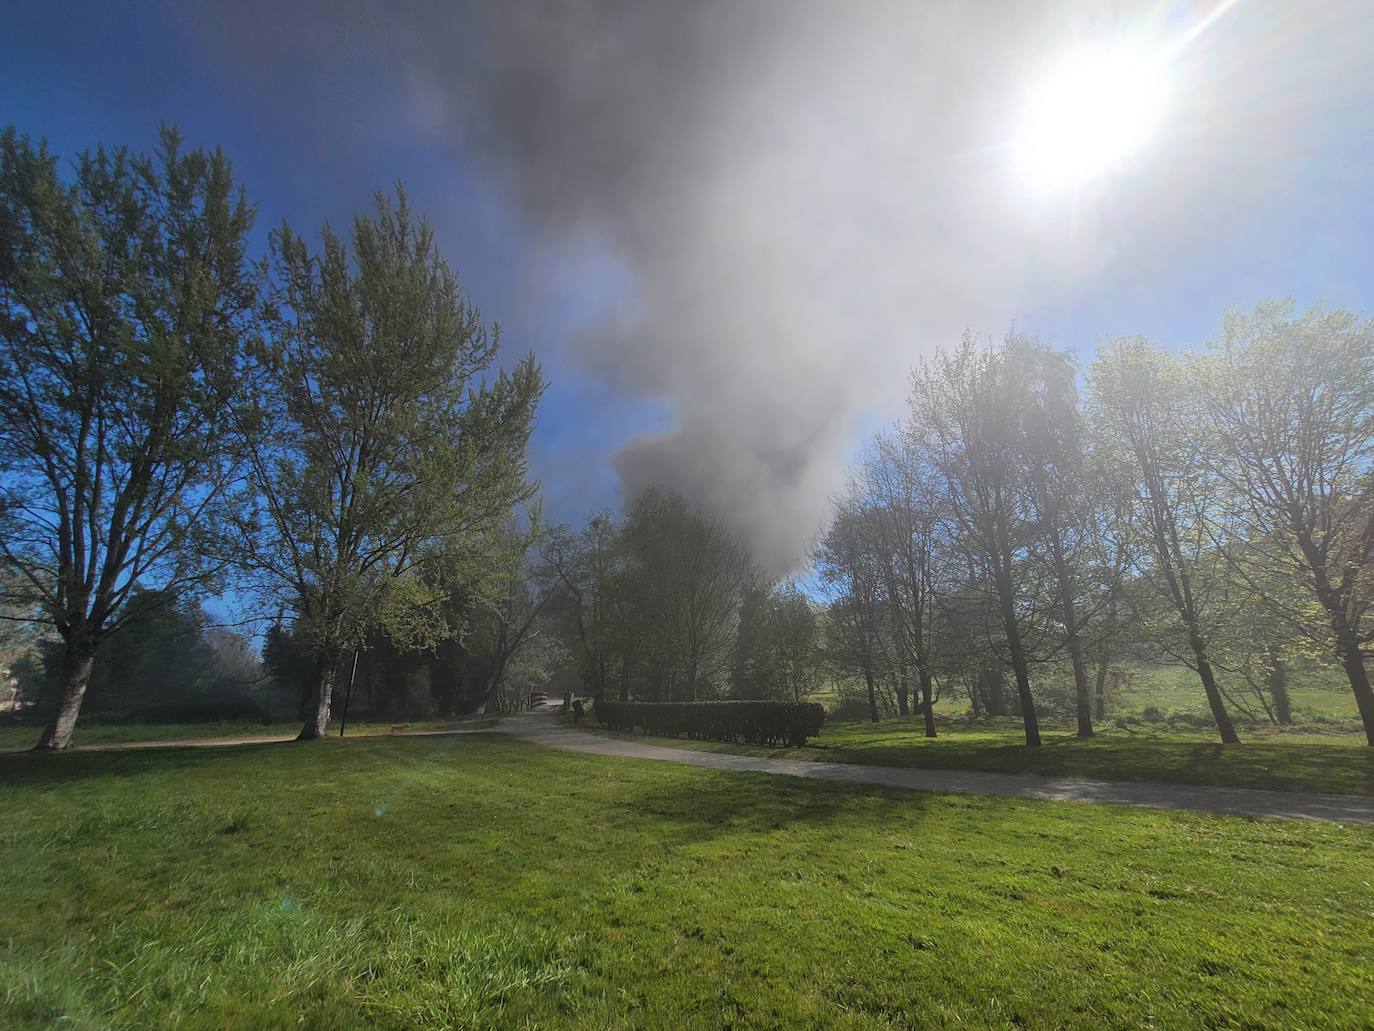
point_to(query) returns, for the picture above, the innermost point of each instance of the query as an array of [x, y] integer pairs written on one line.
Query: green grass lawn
[[477, 881], [1278, 759]]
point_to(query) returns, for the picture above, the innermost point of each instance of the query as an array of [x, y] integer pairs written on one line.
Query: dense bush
[[848, 710], [754, 723]]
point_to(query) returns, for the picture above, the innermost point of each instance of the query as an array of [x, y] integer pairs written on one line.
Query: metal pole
[[348, 695]]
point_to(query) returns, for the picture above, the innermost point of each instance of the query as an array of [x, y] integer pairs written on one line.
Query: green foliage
[[384, 438], [747, 722], [171, 666], [777, 652], [126, 299], [467, 883], [389, 457]]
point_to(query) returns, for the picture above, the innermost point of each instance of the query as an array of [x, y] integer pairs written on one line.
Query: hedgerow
[[754, 723]]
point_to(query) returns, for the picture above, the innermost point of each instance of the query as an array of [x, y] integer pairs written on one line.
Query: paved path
[[544, 728], [1293, 805]]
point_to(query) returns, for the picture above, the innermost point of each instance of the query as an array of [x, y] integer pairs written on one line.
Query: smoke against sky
[[729, 228]]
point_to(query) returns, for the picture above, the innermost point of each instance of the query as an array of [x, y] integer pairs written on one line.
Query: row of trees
[[325, 426], [1215, 508], [667, 605], [179, 665]]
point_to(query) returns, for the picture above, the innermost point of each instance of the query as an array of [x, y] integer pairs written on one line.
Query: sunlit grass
[[1278, 759], [476, 881]]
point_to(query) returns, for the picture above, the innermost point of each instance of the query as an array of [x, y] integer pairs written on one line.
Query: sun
[[1088, 114]]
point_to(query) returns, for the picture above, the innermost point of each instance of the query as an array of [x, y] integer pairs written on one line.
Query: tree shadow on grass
[[693, 804], [41, 769], [1273, 765]]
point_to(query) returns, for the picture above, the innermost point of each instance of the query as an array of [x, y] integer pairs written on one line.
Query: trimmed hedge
[[752, 723]]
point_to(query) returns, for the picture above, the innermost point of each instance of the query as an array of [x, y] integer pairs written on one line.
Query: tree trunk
[[1359, 684], [927, 703], [1347, 638], [625, 680], [1082, 700], [1100, 690], [995, 699], [872, 696], [903, 693], [77, 659], [317, 720], [1021, 668], [1278, 691], [1225, 727], [1023, 694]]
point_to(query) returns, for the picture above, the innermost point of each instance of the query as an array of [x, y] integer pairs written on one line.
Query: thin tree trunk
[[1082, 700], [77, 661], [927, 703], [1278, 691], [995, 699], [1021, 668], [1106, 658], [1100, 689], [1069, 615], [872, 696], [1225, 727]]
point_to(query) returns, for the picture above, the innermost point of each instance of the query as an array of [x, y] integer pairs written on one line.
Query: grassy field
[[1277, 759], [120, 733], [1317, 694], [475, 881]]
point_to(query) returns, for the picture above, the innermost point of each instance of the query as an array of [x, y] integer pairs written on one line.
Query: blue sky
[[696, 215], [88, 73]]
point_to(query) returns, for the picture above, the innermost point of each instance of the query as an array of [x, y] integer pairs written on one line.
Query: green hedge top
[[754, 723]]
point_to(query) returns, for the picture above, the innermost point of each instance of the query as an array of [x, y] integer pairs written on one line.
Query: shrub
[[753, 723], [1190, 720], [848, 710]]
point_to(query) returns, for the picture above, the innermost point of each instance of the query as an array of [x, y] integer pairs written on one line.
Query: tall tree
[[385, 441], [791, 636], [964, 409], [913, 519], [1292, 398], [584, 566], [1152, 416], [694, 575], [777, 647], [1060, 500], [125, 301], [852, 566]]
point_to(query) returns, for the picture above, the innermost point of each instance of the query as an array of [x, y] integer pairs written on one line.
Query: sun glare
[[1088, 114]]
